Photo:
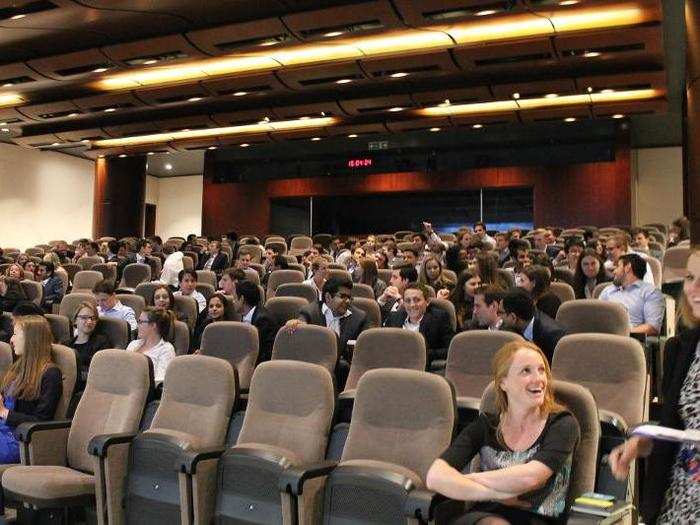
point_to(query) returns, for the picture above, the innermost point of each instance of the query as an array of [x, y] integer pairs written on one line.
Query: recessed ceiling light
[[352, 136], [100, 156], [478, 126], [551, 95], [240, 93], [150, 61], [343, 81], [568, 2], [151, 153], [400, 74], [194, 99], [570, 119], [73, 114], [268, 43], [589, 89], [3, 123], [331, 34], [85, 141], [592, 54], [185, 129], [395, 109], [606, 91], [123, 155], [304, 118], [99, 70], [56, 144], [17, 17], [168, 166], [516, 96], [618, 115], [211, 147], [486, 12], [445, 103], [5, 130], [434, 129], [315, 139], [8, 84], [110, 110], [244, 145]]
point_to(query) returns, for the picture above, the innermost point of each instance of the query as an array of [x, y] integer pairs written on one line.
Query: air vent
[[179, 98], [378, 108], [90, 68], [464, 11], [154, 59], [60, 114], [356, 27], [9, 82], [607, 49], [111, 107], [329, 80], [500, 61], [247, 90], [407, 70], [254, 42], [28, 8]]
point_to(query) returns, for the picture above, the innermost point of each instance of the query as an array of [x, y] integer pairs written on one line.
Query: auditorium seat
[[134, 274], [86, 263], [33, 290], [208, 277], [71, 301], [252, 275], [255, 251], [145, 290], [385, 275], [188, 263], [108, 270], [117, 330], [294, 265], [447, 306], [563, 291], [656, 270], [63, 275], [275, 238], [179, 336], [324, 239], [674, 263], [300, 244], [338, 266], [206, 289], [135, 302], [278, 277], [337, 272], [593, 316], [66, 359], [308, 343], [371, 308], [85, 281], [187, 307], [71, 269], [234, 342], [401, 235], [376, 474], [362, 290], [285, 308], [564, 275], [198, 395], [599, 289], [297, 290], [299, 398], [60, 328], [62, 472], [278, 246]]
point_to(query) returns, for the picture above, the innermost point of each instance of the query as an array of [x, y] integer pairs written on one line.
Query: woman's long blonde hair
[[501, 365], [23, 379]]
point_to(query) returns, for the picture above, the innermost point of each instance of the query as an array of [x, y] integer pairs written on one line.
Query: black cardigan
[[679, 353], [43, 408]]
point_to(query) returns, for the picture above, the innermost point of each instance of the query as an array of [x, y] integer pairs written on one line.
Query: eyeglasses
[[143, 321], [87, 318]]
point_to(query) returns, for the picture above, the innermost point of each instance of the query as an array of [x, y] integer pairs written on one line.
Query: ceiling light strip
[[395, 43]]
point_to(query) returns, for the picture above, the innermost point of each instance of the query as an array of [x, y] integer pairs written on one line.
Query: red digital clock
[[359, 163]]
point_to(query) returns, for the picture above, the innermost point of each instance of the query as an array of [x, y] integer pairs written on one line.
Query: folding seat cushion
[[308, 343], [593, 315], [85, 281], [297, 290], [234, 342]]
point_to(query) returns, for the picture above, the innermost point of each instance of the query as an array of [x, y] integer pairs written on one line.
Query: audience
[[589, 273], [32, 386], [369, 276], [432, 274], [521, 316], [480, 232], [11, 293], [525, 449], [278, 262], [108, 305], [154, 326], [319, 271], [410, 258], [568, 257], [218, 309], [214, 259], [392, 297], [644, 302], [463, 297], [51, 283], [535, 280], [229, 280], [244, 260], [252, 312], [487, 308], [187, 280], [15, 271], [617, 246]]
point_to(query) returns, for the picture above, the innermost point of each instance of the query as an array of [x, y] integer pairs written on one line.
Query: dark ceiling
[[53, 51]]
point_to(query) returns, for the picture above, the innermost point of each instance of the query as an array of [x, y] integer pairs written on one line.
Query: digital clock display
[[359, 163]]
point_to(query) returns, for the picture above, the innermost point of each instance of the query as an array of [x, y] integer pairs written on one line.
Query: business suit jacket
[[53, 291], [546, 333], [680, 351], [386, 309], [267, 331], [42, 408], [435, 327], [218, 266], [350, 327]]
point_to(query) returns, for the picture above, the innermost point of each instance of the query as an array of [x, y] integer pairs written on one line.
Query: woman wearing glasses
[[86, 341], [154, 327]]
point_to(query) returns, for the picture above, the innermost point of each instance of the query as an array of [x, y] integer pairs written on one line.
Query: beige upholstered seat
[[254, 250], [384, 274], [308, 343], [86, 263], [674, 263], [133, 301], [117, 331], [234, 342], [300, 244], [145, 290], [108, 270], [280, 277], [187, 307], [60, 328], [85, 281], [583, 406], [656, 270], [593, 315], [66, 360], [179, 336], [563, 291], [364, 291], [386, 348], [33, 290], [285, 308], [449, 307], [71, 301], [208, 277], [252, 275], [206, 289], [371, 308], [277, 245], [134, 274], [297, 290]]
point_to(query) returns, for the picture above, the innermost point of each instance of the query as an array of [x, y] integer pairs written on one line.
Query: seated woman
[[218, 309], [87, 341], [29, 268], [589, 273], [353, 264], [525, 450], [487, 269], [229, 278], [163, 298], [15, 271], [11, 293], [535, 280], [369, 276], [382, 259], [431, 274], [154, 326], [32, 386], [52, 283], [462, 298]]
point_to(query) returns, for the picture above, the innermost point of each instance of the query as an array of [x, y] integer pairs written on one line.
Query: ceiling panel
[[504, 58], [258, 34], [383, 105], [430, 12], [535, 89], [336, 76], [555, 114]]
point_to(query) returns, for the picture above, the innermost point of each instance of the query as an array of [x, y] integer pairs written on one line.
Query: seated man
[[319, 271], [391, 298], [431, 321], [244, 261], [187, 280], [410, 258], [214, 260], [644, 302], [617, 246], [521, 316], [247, 303], [109, 306], [487, 308]]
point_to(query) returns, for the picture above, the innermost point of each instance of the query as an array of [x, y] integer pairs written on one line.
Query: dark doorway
[[150, 220]]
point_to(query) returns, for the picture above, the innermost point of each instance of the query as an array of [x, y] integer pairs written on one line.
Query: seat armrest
[[25, 430], [99, 445], [613, 419], [471, 403], [421, 504], [292, 479], [191, 458]]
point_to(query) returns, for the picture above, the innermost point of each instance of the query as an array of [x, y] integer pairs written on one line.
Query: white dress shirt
[[161, 355]]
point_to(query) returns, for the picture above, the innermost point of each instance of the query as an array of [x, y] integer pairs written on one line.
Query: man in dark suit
[[431, 321], [521, 316], [252, 312], [142, 256], [391, 298], [214, 260]]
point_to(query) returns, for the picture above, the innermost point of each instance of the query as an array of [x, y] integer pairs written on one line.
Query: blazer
[[549, 304], [546, 333], [350, 326], [42, 408], [53, 291], [680, 351], [219, 265], [435, 328], [86, 351], [267, 331]]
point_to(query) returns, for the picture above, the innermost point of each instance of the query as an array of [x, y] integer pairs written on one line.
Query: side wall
[[178, 203]]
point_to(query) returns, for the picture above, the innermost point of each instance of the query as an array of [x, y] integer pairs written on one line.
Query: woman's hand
[[443, 293], [623, 455]]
